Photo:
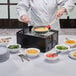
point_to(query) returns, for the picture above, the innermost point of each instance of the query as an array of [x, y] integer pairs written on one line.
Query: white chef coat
[[43, 12]]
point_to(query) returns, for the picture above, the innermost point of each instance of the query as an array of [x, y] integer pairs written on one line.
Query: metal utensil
[[57, 53], [23, 57]]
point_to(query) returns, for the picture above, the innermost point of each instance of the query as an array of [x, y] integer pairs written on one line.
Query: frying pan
[[44, 29], [40, 29]]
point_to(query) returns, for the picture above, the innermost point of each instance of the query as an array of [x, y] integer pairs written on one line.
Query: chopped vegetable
[[62, 47], [51, 55], [13, 46]]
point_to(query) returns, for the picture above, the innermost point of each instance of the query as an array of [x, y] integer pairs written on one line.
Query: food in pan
[[32, 52], [41, 29]]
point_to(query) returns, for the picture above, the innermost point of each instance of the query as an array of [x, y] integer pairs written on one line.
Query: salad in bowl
[[62, 48], [14, 47]]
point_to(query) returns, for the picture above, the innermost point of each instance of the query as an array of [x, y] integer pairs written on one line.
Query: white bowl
[[14, 49], [51, 58], [71, 45], [31, 54], [62, 51]]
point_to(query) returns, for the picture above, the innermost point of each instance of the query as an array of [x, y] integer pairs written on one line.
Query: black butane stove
[[43, 41]]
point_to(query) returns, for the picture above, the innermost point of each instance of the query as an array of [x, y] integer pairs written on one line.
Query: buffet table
[[38, 66]]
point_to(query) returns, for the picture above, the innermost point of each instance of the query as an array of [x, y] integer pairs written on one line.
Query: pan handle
[[30, 28]]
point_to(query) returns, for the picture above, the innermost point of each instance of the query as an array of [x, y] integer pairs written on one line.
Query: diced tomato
[[48, 26], [52, 55]]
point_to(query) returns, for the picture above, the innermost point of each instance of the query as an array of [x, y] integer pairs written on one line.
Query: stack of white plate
[[4, 54]]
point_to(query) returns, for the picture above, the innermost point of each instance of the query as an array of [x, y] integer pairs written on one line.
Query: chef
[[43, 12]]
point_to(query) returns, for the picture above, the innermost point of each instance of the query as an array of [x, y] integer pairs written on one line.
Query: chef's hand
[[25, 19], [60, 12]]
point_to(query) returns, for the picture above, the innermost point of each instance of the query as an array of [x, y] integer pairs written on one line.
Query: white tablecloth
[[38, 66]]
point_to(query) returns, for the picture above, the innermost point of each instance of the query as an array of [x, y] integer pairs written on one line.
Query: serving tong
[[56, 53], [23, 57]]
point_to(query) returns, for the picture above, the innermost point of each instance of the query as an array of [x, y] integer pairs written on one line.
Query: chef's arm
[[65, 6], [22, 9], [69, 5]]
